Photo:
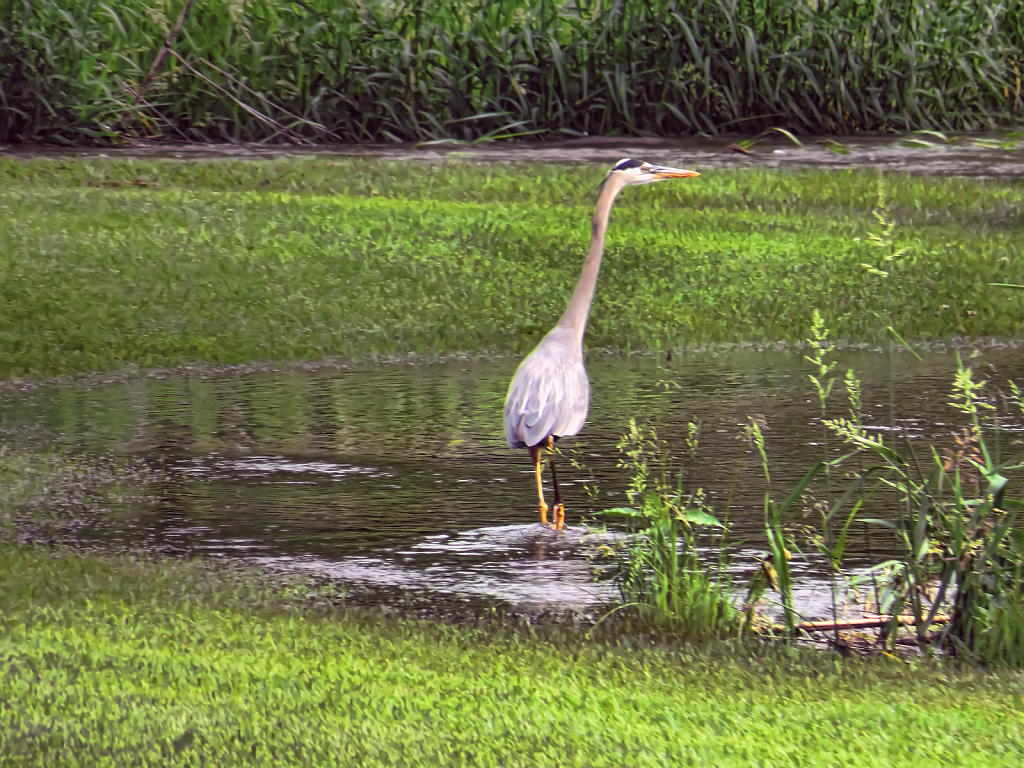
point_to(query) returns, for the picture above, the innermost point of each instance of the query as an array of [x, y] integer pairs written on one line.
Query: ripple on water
[[398, 478]]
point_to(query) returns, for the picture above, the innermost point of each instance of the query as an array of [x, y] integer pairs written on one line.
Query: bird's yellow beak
[[661, 172]]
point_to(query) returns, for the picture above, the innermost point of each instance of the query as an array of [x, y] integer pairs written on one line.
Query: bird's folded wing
[[547, 396]]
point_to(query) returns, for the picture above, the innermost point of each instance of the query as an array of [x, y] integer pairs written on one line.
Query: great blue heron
[[550, 393]]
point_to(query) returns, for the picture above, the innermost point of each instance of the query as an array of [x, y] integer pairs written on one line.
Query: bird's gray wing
[[549, 395]]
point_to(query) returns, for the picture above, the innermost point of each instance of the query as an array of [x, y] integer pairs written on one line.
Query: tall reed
[[435, 69]]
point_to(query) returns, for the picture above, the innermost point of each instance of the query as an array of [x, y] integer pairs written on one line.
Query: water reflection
[[397, 477]]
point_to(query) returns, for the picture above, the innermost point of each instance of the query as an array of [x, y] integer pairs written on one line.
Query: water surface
[[395, 479]]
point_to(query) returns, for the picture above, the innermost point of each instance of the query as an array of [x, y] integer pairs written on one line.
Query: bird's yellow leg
[[542, 507], [558, 523]]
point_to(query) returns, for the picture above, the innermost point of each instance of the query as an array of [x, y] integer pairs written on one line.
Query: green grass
[[468, 69], [229, 262], [110, 660]]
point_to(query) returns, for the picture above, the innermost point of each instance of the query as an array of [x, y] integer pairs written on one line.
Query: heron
[[550, 394]]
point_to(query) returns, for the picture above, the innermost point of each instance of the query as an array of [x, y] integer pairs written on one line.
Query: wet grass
[[52, 495], [119, 660], [107, 262]]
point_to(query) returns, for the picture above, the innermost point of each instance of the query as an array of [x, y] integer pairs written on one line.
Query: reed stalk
[[438, 70]]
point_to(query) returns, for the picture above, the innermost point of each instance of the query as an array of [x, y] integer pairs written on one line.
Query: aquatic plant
[[659, 573], [50, 495], [957, 582], [780, 539], [437, 70], [820, 348], [963, 550]]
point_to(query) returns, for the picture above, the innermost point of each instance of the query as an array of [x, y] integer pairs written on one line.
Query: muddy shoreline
[[982, 156]]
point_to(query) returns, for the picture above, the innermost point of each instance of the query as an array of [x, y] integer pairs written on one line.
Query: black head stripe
[[627, 163]]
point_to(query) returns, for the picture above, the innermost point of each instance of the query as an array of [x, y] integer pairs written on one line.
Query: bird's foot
[[559, 517], [542, 508]]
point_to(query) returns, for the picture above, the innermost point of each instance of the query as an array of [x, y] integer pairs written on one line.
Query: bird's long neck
[[575, 316]]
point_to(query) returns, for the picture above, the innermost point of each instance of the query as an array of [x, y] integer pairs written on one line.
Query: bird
[[549, 395]]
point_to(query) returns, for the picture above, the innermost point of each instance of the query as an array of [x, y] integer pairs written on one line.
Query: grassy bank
[[429, 69], [230, 262], [112, 660]]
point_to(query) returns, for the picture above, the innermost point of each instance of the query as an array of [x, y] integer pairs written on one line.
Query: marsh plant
[[957, 579], [782, 535], [466, 70], [962, 549], [658, 571]]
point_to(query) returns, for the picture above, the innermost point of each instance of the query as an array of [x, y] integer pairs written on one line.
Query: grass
[[435, 69], [115, 660], [229, 262]]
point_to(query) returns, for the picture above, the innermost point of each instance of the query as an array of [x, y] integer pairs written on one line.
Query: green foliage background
[[375, 70]]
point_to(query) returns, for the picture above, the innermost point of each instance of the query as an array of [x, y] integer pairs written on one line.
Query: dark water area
[[395, 479], [986, 156]]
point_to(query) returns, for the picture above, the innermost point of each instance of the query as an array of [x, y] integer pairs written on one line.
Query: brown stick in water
[[872, 622]]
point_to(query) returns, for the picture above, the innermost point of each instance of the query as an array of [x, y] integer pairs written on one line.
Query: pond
[[395, 479]]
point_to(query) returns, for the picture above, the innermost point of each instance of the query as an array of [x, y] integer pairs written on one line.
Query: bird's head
[[639, 172]]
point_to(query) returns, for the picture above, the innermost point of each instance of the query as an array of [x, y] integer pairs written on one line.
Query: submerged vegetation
[[166, 262], [438, 70], [50, 496]]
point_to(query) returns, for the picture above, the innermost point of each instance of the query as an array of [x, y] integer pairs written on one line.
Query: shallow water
[[962, 158], [395, 479]]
